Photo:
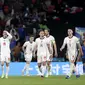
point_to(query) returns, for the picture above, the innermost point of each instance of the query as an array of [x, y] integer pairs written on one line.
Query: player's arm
[[55, 47], [9, 35], [24, 47], [49, 48], [79, 49], [64, 44], [35, 48]]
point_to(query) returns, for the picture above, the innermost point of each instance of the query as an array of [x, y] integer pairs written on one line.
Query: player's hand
[[51, 56], [56, 54], [78, 59], [60, 49], [33, 54]]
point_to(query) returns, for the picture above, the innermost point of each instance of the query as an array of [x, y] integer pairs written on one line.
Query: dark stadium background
[[58, 26]]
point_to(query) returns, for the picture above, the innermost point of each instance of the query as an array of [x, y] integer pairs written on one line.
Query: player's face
[[31, 39], [46, 32], [4, 35], [41, 34], [70, 32]]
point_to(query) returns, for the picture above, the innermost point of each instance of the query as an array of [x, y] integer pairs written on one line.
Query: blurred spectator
[[1, 10], [15, 20], [14, 33], [21, 33], [16, 53], [18, 6], [2, 23]]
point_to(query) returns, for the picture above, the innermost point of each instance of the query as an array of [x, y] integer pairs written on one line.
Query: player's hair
[[31, 36], [47, 29], [71, 30], [40, 30]]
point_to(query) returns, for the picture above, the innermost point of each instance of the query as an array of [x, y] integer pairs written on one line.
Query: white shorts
[[28, 57], [72, 56], [41, 58], [5, 58], [49, 58]]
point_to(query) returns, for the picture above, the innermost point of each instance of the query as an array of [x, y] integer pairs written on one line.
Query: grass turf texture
[[51, 80]]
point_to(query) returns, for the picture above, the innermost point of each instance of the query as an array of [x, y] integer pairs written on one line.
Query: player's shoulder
[[1, 38], [33, 42], [37, 39], [66, 38], [26, 42], [76, 38], [51, 36]]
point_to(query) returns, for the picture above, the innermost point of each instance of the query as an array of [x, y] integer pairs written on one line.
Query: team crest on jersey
[[4, 43]]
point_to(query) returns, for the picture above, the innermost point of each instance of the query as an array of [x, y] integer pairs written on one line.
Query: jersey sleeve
[[77, 41], [24, 44], [52, 40], [36, 41], [9, 35], [64, 43]]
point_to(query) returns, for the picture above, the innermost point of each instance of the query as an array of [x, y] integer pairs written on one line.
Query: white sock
[[7, 70], [43, 70], [71, 69], [24, 68], [2, 67], [27, 69], [76, 70]]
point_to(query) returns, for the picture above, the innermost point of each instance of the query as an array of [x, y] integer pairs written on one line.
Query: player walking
[[42, 46], [53, 47], [73, 45], [28, 49]]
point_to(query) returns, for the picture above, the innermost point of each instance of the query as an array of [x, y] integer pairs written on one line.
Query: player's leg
[[26, 67], [49, 59], [75, 69], [40, 68], [2, 65], [7, 70], [39, 61], [49, 67], [71, 61], [43, 65], [2, 68], [7, 65]]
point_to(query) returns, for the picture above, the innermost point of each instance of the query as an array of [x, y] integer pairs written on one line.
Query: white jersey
[[42, 46], [51, 40], [5, 45], [71, 44], [29, 47]]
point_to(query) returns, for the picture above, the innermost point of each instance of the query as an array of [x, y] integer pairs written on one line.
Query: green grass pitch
[[36, 80]]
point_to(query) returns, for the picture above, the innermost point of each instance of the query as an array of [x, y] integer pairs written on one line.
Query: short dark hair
[[40, 30], [47, 29], [31, 35]]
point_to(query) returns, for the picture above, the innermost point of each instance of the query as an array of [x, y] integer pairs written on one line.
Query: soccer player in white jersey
[[53, 47], [28, 49], [42, 46], [5, 52], [73, 45]]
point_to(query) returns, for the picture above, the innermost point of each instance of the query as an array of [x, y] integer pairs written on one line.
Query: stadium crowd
[[24, 17]]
